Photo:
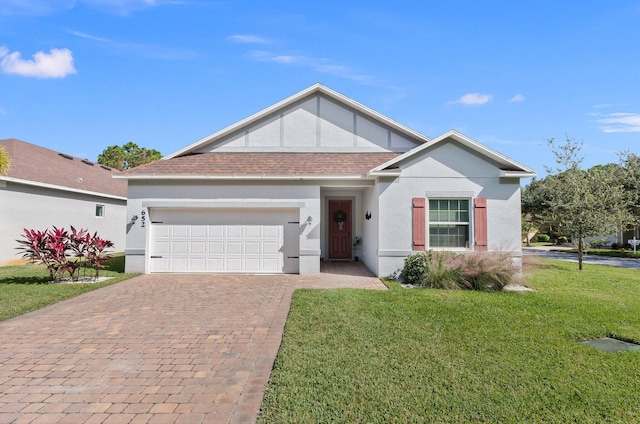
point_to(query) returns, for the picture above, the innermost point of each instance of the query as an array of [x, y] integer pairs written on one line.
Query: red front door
[[339, 229]]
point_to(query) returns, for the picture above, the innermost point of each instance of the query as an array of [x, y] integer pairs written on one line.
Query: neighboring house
[[44, 188], [296, 183]]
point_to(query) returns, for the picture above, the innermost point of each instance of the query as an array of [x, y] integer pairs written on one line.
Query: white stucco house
[[298, 182], [44, 188]]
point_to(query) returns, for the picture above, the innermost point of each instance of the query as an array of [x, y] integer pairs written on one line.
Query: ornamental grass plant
[[452, 271]]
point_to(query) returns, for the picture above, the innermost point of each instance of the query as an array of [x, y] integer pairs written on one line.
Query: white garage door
[[224, 240]]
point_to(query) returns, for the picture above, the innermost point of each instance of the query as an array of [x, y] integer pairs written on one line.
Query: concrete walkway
[[154, 349]]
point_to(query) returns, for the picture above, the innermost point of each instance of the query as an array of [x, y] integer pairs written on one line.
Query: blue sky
[[79, 75]]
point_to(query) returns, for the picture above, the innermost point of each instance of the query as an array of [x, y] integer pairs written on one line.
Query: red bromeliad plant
[[62, 251], [36, 249], [97, 252]]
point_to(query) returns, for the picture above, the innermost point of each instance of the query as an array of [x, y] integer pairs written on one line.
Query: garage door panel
[[198, 248], [198, 265], [272, 265], [234, 247], [234, 265], [179, 264], [224, 241], [271, 248], [162, 231], [179, 247], [252, 231], [215, 264], [162, 248], [234, 231], [216, 247], [215, 231], [252, 264], [180, 231], [198, 231]]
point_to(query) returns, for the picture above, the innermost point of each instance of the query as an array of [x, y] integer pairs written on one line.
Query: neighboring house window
[[449, 222], [99, 211]]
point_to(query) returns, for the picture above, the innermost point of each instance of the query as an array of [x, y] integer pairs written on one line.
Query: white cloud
[[45, 7], [474, 99], [145, 50], [87, 36], [58, 63], [620, 122], [517, 98], [321, 65], [247, 39]]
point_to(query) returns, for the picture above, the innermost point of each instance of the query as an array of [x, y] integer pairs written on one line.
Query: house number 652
[[144, 218]]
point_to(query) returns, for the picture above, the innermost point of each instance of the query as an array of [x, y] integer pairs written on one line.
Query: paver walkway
[[154, 349]]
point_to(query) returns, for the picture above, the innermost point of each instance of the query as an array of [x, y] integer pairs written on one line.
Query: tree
[[630, 164], [5, 161], [127, 156], [585, 203]]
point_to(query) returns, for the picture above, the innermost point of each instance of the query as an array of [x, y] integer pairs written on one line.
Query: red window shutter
[[419, 222], [480, 223]]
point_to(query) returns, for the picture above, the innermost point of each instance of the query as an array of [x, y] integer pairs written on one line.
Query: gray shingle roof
[[265, 164]]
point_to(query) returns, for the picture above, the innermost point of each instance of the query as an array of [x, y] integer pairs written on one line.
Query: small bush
[[543, 238], [598, 243], [562, 240], [415, 268], [448, 270]]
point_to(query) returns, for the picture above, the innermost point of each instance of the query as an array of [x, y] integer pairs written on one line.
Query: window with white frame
[[99, 211], [449, 222]]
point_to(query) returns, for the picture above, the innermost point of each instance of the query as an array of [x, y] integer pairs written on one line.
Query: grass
[[460, 356], [25, 288]]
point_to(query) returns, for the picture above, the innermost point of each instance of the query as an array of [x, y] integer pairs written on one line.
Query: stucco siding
[[32, 207], [370, 229], [441, 173], [315, 124]]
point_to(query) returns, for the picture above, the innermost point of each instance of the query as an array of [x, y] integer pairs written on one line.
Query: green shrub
[[415, 268], [543, 238], [562, 240], [598, 243]]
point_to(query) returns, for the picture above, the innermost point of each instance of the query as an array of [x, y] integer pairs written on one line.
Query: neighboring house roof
[[35, 165], [262, 164], [508, 167], [311, 91]]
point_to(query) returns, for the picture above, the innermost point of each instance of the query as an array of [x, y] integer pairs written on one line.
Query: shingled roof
[[258, 164], [37, 164]]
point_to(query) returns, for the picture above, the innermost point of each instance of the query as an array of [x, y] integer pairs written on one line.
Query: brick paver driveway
[[156, 348]]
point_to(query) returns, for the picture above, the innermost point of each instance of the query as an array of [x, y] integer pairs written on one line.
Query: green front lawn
[[24, 288], [424, 355]]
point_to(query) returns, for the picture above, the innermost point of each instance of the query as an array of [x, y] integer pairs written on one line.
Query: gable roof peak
[[510, 167], [312, 90]]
